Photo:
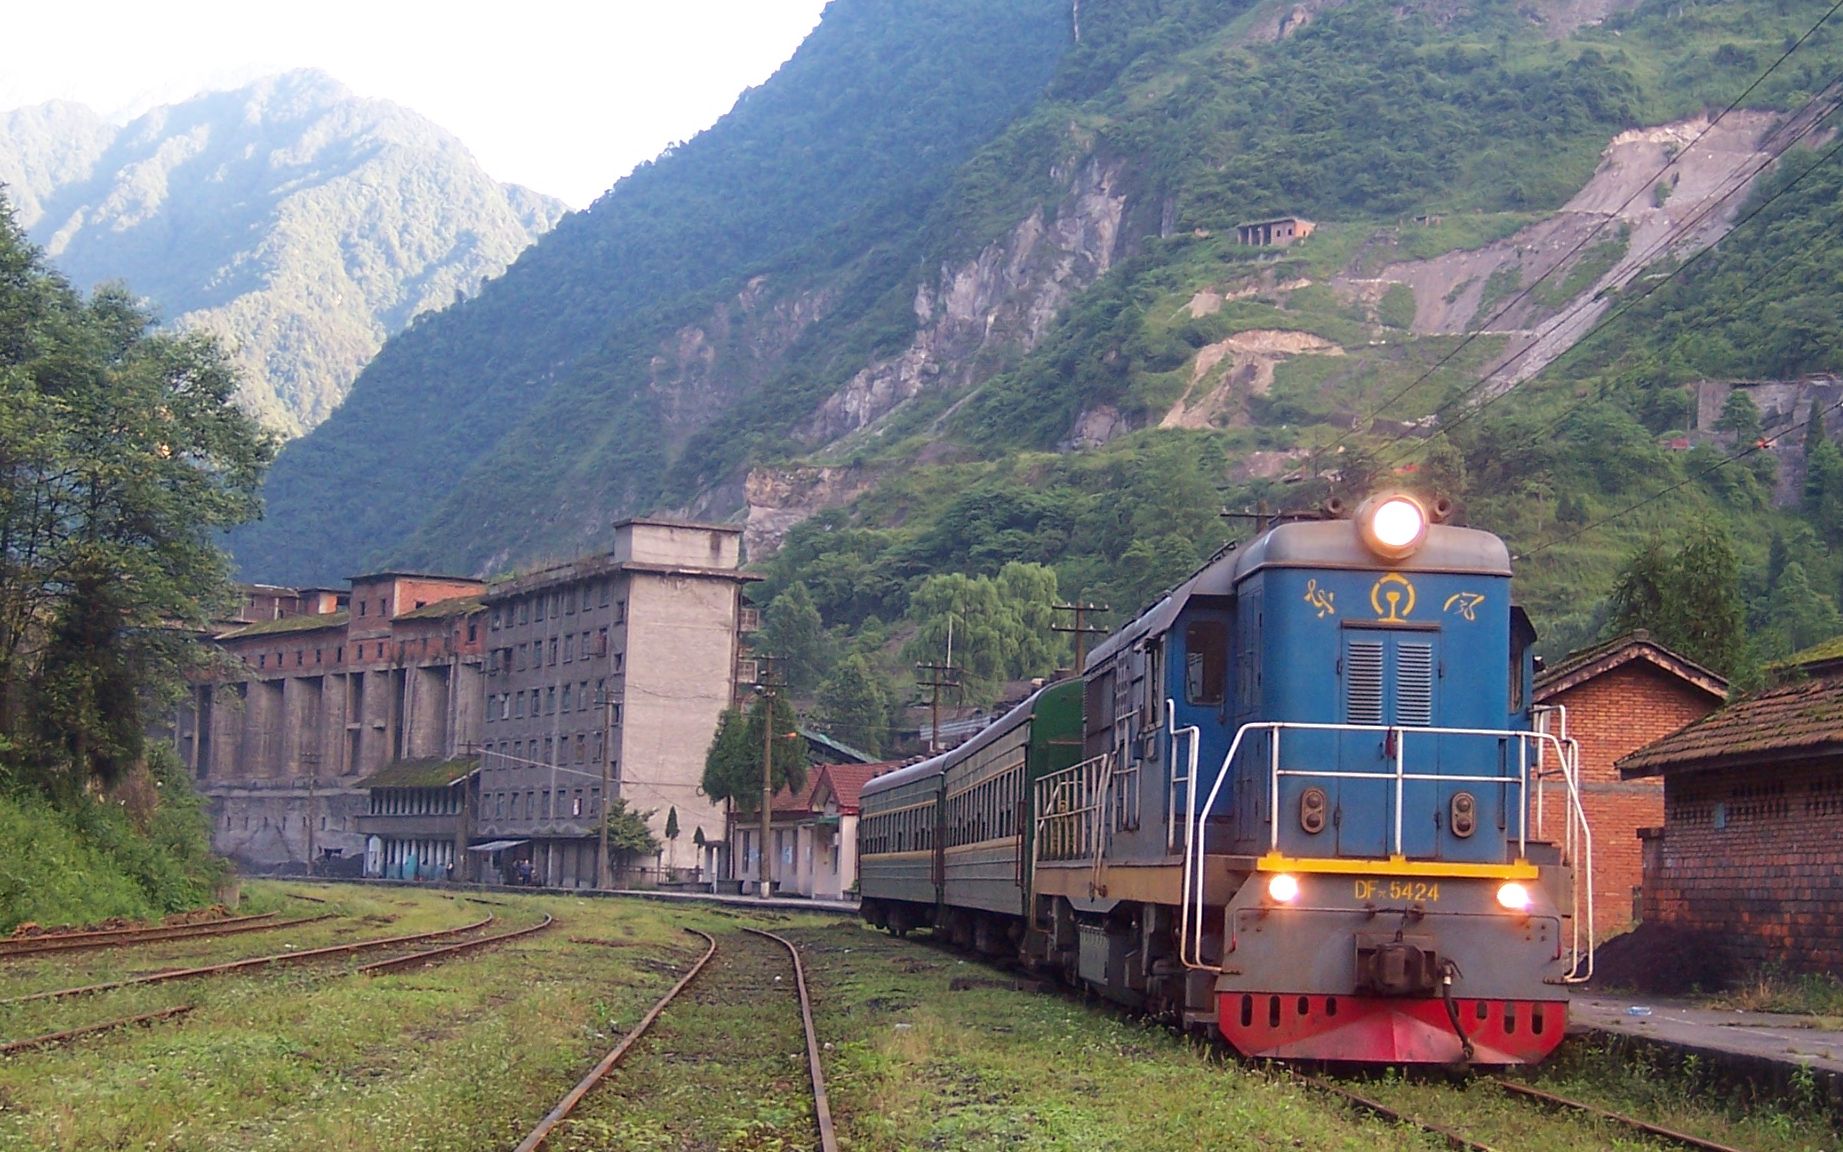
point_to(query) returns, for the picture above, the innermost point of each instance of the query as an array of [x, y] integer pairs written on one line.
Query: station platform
[[1766, 1035]]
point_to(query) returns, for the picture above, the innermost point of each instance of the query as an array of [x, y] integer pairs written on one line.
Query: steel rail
[[53, 1039], [128, 938], [437, 955], [822, 1110], [1454, 1139], [9, 943], [539, 1134], [252, 962], [1554, 1101]]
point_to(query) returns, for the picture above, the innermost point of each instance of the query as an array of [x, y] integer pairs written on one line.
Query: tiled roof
[[442, 609], [1825, 653], [306, 623], [431, 772], [1791, 721], [848, 780], [1578, 667]]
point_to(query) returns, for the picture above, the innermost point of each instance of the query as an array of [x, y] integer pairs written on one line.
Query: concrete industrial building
[[314, 702], [612, 666]]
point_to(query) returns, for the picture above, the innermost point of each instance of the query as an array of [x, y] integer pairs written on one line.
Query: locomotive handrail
[[1190, 950]]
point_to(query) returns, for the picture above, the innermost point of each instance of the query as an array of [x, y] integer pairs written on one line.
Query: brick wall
[[1752, 855], [1611, 715]]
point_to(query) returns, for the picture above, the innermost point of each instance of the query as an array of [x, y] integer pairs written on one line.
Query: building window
[[576, 804], [569, 601], [262, 660], [300, 657], [537, 613], [505, 706], [566, 698], [615, 717], [524, 612], [620, 611], [569, 648], [582, 748], [383, 605], [362, 604], [616, 661], [521, 657], [550, 748], [495, 625], [550, 701], [521, 704], [339, 653], [546, 803], [473, 630]]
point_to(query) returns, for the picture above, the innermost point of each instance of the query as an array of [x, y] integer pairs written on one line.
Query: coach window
[[1206, 660]]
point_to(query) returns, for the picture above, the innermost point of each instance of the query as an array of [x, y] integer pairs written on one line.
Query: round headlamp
[[1284, 889], [1514, 897], [1392, 526]]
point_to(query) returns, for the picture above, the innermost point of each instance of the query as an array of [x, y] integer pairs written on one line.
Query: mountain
[[301, 224], [968, 283]]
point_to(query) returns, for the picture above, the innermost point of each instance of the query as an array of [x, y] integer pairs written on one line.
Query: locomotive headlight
[[1392, 526], [1514, 897], [1282, 888]]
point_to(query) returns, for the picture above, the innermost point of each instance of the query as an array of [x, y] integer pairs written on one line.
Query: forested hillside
[[956, 290], [297, 222]]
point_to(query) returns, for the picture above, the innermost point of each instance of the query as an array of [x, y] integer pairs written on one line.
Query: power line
[[1660, 282], [1522, 295], [1756, 446]]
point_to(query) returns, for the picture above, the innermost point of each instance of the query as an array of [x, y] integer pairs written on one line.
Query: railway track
[[1456, 1139], [739, 983], [129, 937], [251, 963], [449, 951]]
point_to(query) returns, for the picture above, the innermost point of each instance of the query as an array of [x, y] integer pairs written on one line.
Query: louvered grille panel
[[1414, 684], [1363, 682]]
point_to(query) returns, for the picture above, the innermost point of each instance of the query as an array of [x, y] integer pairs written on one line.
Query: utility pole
[[312, 805], [936, 677], [768, 685], [601, 859], [1081, 628]]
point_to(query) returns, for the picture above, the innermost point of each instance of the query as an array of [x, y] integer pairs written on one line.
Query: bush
[[92, 861]]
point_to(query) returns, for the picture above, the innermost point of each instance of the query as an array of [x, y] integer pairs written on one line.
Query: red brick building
[[1620, 696], [1749, 851], [322, 691]]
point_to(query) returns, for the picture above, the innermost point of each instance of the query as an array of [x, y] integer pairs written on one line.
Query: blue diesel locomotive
[[1295, 801]]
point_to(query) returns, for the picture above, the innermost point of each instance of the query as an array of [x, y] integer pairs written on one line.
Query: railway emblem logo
[[1322, 599], [1464, 603], [1393, 598]]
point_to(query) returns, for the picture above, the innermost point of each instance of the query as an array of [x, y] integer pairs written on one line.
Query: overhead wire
[[1662, 281], [1759, 445], [1482, 329]]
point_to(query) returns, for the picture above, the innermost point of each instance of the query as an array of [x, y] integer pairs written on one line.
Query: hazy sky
[[564, 98]]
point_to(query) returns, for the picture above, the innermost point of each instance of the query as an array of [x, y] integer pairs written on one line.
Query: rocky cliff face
[[1000, 302], [300, 224]]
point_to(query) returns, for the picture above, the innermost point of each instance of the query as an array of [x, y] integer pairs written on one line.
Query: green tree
[[854, 705], [122, 458], [793, 633], [1823, 497], [998, 628], [1796, 615], [733, 765], [1688, 599], [628, 834], [1741, 416]]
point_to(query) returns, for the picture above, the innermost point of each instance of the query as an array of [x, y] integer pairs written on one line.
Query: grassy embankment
[[927, 1050]]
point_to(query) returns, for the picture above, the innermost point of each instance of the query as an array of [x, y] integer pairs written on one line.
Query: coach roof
[[1313, 544]]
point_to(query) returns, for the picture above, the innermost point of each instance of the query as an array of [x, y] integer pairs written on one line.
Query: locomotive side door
[[1386, 676]]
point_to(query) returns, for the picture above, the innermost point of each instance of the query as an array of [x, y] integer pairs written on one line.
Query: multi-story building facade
[[315, 702], [612, 667]]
